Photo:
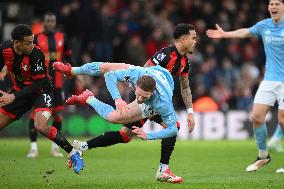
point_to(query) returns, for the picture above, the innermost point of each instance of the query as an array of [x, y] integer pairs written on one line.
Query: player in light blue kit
[[272, 87], [153, 88]]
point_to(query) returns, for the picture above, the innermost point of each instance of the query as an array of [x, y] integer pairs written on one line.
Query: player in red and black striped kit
[[55, 48], [172, 58], [32, 88]]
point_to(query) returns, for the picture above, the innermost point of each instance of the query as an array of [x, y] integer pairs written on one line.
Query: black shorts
[[58, 102], [156, 118], [39, 102]]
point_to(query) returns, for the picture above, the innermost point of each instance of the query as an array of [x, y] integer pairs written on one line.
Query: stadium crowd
[[131, 31]]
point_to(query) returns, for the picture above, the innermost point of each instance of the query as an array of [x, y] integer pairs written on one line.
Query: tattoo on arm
[[186, 92]]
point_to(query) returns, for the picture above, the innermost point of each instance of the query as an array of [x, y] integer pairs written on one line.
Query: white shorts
[[147, 111], [270, 91]]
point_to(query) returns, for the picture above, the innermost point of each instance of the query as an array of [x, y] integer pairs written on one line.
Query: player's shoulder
[[59, 34], [267, 21], [39, 34], [168, 49], [36, 52], [6, 45]]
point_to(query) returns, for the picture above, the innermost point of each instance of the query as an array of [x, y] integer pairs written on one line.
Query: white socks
[[34, 146], [262, 153], [163, 167]]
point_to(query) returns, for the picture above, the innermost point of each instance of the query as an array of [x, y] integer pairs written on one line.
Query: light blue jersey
[[161, 99], [273, 39]]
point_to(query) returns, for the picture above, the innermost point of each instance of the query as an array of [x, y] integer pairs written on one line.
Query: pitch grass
[[203, 164]]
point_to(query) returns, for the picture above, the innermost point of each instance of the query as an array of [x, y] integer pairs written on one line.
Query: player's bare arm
[[187, 99], [3, 73], [220, 33]]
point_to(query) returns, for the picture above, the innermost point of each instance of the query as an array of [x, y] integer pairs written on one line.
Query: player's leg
[[164, 173], [57, 119], [5, 119], [264, 99], [57, 123], [275, 141], [281, 121], [33, 137], [107, 112], [93, 68], [260, 132], [107, 139], [42, 106], [12, 112]]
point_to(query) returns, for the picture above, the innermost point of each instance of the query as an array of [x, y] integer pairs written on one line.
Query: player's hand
[[139, 132], [190, 122], [218, 33], [121, 105], [3, 74], [6, 98]]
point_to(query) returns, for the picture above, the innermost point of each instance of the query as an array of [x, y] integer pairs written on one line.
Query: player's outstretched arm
[[220, 33]]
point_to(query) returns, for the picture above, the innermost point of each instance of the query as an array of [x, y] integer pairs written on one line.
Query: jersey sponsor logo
[[269, 39], [25, 67]]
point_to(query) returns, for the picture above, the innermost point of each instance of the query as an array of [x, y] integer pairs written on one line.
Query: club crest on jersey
[[161, 56], [25, 67], [38, 66], [127, 78]]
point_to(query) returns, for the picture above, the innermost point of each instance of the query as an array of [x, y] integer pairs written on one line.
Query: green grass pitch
[[203, 164]]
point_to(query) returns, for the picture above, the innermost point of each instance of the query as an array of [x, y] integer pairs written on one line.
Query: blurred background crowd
[[223, 72]]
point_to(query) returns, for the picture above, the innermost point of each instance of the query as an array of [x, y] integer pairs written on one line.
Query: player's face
[[141, 95], [50, 23], [190, 41], [276, 9], [25, 46]]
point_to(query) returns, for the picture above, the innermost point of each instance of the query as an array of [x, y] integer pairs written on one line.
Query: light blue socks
[[278, 133], [101, 108], [260, 137], [92, 69]]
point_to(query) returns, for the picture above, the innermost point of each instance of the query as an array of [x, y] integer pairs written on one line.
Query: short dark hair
[[21, 31], [182, 29], [49, 14], [146, 83]]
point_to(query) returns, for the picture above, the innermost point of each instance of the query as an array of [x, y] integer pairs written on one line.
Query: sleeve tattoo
[[186, 92]]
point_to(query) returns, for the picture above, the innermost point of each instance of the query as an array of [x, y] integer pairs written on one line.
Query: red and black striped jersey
[[23, 69], [172, 60], [55, 48]]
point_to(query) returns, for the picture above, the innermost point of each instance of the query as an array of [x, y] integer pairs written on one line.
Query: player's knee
[[257, 119], [41, 122], [41, 127], [281, 121]]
